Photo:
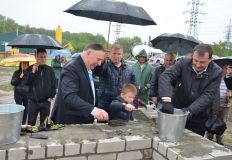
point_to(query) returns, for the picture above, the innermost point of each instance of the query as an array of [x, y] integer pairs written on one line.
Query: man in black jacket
[[76, 102], [228, 78], [198, 82], [41, 79], [169, 60]]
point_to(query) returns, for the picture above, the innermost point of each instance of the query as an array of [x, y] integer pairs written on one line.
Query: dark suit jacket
[[196, 92], [228, 81], [75, 100], [117, 112]]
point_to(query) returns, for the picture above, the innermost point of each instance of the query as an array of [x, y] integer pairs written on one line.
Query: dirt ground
[[7, 97]]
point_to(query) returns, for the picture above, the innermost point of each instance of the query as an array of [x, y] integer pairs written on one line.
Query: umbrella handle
[[108, 35]]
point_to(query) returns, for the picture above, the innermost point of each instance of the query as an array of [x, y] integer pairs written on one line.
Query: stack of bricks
[[71, 144], [127, 148]]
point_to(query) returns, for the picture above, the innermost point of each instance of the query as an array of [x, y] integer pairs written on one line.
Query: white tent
[[150, 51]]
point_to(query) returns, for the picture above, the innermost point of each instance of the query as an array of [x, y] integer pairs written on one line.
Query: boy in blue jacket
[[121, 108]]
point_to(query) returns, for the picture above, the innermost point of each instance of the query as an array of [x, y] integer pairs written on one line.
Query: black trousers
[[197, 125], [22, 100], [34, 108]]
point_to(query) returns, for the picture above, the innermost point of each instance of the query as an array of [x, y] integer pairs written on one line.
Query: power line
[[193, 21], [228, 32], [118, 30]]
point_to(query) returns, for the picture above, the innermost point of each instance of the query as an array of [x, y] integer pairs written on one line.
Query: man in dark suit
[[76, 99]]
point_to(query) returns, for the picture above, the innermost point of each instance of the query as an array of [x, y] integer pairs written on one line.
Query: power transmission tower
[[193, 21], [228, 32], [117, 30]]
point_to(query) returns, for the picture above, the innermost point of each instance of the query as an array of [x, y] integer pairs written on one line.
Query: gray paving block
[[155, 142], [36, 152], [103, 157], [158, 156], [71, 149], [132, 155], [2, 154], [172, 154], [110, 145], [88, 147], [17, 153], [137, 142], [54, 150], [73, 158]]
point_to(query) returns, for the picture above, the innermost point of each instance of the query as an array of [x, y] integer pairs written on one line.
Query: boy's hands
[[128, 107]]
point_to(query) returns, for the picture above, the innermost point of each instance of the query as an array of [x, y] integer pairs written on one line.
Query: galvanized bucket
[[11, 116], [171, 126]]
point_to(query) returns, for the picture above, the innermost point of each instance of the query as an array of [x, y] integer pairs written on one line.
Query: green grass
[[227, 137], [229, 132], [6, 86], [3, 74], [48, 61], [1, 57], [227, 140]]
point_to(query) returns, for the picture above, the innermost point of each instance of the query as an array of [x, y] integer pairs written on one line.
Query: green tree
[[78, 40], [222, 49], [128, 43]]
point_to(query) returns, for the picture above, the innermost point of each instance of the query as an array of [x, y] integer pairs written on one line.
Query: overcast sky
[[168, 14]]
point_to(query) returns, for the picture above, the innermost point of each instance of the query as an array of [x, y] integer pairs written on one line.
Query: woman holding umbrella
[[20, 89]]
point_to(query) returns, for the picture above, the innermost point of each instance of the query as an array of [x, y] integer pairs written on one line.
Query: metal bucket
[[11, 116], [171, 126]]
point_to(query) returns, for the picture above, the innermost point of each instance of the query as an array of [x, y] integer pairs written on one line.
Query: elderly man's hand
[[100, 114]]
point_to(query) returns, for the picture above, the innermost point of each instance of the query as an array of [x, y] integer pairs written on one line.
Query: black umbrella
[[111, 10], [223, 61], [176, 43], [35, 41]]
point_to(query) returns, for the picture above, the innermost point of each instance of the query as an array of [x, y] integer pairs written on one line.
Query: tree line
[[78, 40]]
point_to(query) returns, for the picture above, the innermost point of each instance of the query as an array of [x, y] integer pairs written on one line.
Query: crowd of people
[[194, 84]]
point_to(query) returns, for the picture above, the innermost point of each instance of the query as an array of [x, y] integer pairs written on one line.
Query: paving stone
[[17, 153], [2, 154], [54, 150], [132, 155], [103, 157], [155, 142], [172, 154], [110, 145], [137, 142], [163, 147], [158, 156], [73, 158], [88, 147], [204, 157], [71, 149], [220, 151], [36, 152]]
